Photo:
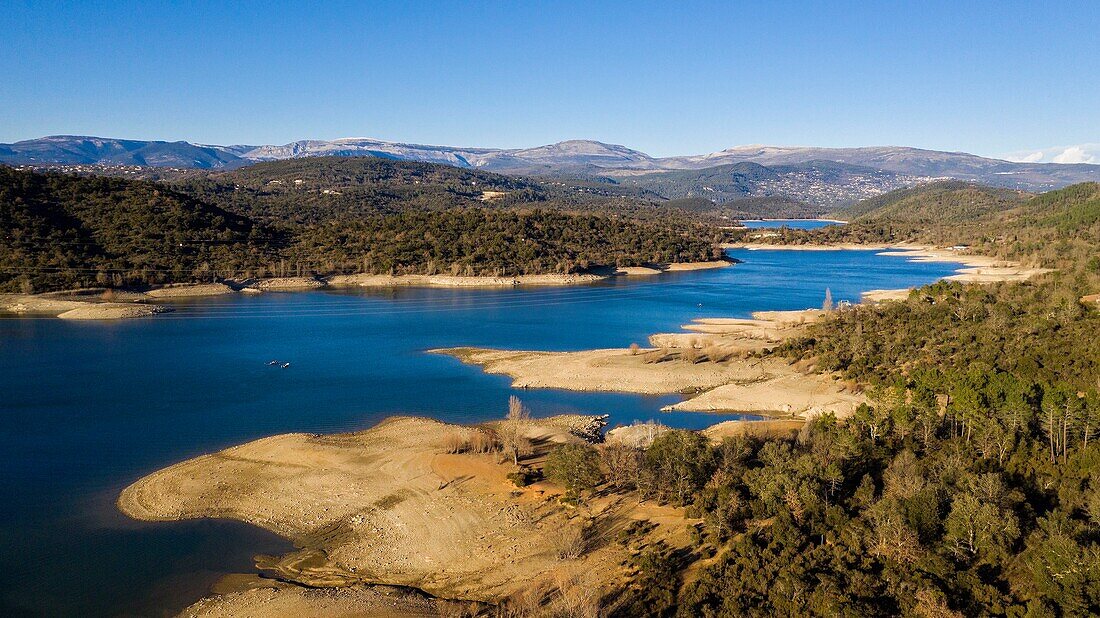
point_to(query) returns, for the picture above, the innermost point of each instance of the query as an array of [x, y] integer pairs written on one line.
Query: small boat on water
[[272, 363], [285, 365]]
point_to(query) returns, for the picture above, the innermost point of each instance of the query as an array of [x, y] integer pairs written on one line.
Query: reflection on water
[[88, 408]]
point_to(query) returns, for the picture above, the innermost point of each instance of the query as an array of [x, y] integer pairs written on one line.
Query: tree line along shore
[[64, 231]]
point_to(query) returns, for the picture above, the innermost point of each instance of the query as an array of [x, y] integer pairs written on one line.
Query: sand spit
[[713, 363], [608, 370], [112, 311], [391, 505]]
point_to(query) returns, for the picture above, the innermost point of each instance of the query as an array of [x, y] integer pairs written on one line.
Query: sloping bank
[[411, 502], [713, 360]]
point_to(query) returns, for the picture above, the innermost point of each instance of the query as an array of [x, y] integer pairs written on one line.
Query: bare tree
[[511, 431], [828, 304]]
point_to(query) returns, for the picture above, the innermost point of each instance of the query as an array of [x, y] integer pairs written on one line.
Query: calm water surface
[[88, 408], [797, 224]]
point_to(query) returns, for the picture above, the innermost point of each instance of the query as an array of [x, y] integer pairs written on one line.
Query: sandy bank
[[774, 428], [712, 361], [273, 599], [878, 296], [388, 505], [190, 290], [792, 394], [112, 311], [739, 335], [686, 266], [976, 269], [609, 370], [996, 274], [36, 304], [49, 305], [288, 284]]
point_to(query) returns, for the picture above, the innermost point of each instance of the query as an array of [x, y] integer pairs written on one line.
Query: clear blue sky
[[666, 78]]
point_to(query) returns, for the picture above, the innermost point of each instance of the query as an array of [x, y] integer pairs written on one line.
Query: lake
[[90, 407], [796, 224]]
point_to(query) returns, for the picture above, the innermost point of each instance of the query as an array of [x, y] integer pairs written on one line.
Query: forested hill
[[58, 230], [936, 202], [1057, 229], [61, 231], [323, 188], [1074, 209]]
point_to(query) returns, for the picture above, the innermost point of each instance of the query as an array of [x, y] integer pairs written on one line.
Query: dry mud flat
[[272, 599], [71, 308], [190, 290], [732, 383], [389, 505]]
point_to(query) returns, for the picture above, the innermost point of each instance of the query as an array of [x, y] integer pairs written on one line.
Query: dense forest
[[947, 201], [63, 231], [970, 486], [494, 242]]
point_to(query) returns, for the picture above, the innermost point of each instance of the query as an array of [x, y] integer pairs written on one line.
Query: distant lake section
[[795, 224]]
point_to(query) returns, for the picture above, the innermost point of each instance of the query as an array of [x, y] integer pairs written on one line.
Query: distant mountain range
[[874, 169]]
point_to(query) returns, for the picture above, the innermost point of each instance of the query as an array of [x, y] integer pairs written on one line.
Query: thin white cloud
[[1080, 153]]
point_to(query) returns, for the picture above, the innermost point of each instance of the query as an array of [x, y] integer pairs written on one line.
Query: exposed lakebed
[[88, 408]]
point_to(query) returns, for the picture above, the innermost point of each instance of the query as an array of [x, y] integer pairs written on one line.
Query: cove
[[90, 407]]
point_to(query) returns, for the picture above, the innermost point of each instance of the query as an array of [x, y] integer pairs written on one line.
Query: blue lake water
[[88, 408], [796, 224]]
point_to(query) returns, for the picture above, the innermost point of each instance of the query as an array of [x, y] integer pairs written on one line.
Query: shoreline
[[975, 268], [120, 304], [421, 515], [97, 303], [767, 220], [713, 362]]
